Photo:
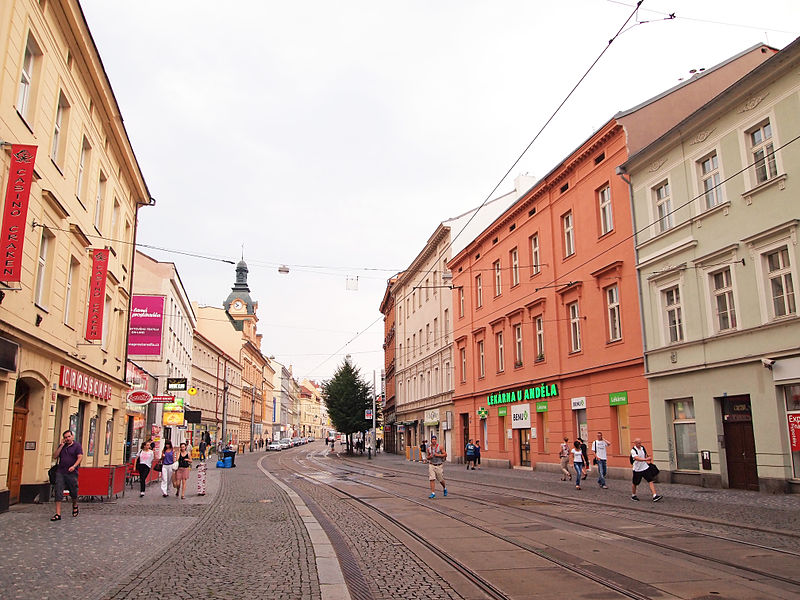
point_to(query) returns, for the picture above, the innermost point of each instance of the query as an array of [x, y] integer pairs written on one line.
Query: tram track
[[631, 536], [571, 567]]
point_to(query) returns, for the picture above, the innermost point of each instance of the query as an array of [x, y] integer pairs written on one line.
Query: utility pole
[[374, 432], [252, 417], [224, 405]]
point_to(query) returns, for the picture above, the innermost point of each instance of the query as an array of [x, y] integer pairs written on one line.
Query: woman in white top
[[563, 456], [144, 462], [577, 462]]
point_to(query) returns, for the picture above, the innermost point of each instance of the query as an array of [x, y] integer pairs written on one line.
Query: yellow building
[[310, 402], [86, 189]]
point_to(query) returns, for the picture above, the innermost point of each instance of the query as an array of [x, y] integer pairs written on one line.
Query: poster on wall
[[109, 431], [73, 425], [794, 431], [521, 416], [92, 434], [146, 323]]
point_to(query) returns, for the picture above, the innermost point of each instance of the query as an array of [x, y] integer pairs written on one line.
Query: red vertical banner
[[794, 431], [97, 295], [18, 192]]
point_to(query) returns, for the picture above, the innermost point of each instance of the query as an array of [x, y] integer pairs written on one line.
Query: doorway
[[740, 445], [19, 425], [464, 430], [524, 447]]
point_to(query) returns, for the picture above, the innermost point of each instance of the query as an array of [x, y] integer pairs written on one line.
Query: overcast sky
[[333, 137]]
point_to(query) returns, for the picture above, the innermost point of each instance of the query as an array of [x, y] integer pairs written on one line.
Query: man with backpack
[[642, 469], [469, 454]]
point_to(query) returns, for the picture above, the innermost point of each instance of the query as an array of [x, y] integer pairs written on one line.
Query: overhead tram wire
[[535, 137]]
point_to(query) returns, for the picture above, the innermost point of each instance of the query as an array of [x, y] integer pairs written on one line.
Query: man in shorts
[[69, 455], [436, 457], [641, 469]]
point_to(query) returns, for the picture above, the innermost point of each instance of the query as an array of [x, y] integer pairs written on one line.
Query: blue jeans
[[578, 472], [602, 471]]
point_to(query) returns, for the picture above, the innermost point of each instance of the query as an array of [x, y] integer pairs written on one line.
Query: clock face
[[237, 305]]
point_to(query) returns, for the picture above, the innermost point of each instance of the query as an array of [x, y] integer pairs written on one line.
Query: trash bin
[[229, 454]]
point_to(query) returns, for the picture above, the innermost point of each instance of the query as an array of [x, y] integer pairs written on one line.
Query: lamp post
[[252, 416]]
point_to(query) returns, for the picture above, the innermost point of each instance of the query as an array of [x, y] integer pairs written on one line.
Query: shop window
[[684, 431], [792, 394], [623, 429], [581, 425]]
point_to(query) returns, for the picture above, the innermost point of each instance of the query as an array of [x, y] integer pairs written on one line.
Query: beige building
[[87, 187], [217, 377], [310, 401]]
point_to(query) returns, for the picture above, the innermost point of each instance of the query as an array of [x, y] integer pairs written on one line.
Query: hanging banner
[[794, 431], [97, 295], [147, 317], [18, 192]]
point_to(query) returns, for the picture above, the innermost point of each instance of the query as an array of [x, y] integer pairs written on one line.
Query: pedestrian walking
[[69, 454], [423, 451], [585, 451], [202, 448], [201, 479], [600, 448], [563, 455], [436, 457], [144, 462], [167, 467], [477, 460], [182, 474], [577, 462], [378, 445], [469, 454], [643, 467]]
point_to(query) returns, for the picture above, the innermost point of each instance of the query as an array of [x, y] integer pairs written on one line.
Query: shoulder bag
[[51, 474]]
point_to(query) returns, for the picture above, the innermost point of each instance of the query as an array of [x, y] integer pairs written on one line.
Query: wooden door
[[18, 427], [740, 450], [524, 447]]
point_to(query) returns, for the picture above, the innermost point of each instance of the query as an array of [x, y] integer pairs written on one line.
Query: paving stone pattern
[[390, 569]]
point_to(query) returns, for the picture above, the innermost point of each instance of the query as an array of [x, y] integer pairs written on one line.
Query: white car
[[285, 443], [275, 445]]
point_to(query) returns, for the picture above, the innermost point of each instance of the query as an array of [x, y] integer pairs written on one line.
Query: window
[[709, 180], [427, 336], [478, 291], [514, 267], [463, 365], [400, 355], [414, 301], [59, 129], [83, 162], [501, 361], [498, 283], [569, 234], [422, 385], [674, 317], [780, 282], [481, 360], [72, 281], [606, 216], [535, 263], [762, 151], [723, 300], [518, 345], [684, 429], [115, 223], [98, 202], [414, 344], [574, 327], [539, 326], [106, 322], [44, 268], [435, 332], [612, 306], [25, 92], [408, 307], [427, 290], [420, 300], [446, 325], [461, 302], [447, 376], [663, 206]]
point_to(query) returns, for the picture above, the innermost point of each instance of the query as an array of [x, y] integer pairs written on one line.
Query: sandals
[[74, 511], [55, 518]]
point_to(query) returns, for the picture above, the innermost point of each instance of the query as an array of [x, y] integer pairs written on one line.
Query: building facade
[[310, 409], [716, 220], [389, 360], [85, 189]]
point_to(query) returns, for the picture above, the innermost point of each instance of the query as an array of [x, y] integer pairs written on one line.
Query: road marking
[[331, 579]]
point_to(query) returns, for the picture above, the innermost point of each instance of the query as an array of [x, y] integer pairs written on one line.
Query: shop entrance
[[464, 430], [524, 447], [740, 446], [19, 425]]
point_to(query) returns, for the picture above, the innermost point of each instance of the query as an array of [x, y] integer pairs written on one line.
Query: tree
[[347, 397]]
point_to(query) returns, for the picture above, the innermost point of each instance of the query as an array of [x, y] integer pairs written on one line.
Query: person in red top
[[69, 455]]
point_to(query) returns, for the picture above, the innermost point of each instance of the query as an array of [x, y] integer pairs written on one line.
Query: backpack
[[634, 450]]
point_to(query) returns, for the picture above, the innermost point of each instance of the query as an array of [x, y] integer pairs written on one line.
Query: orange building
[[548, 340]]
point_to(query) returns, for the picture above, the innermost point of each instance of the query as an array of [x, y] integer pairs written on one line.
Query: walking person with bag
[[585, 451], [643, 467], [69, 454], [577, 462], [144, 462], [167, 466], [563, 455], [600, 447], [477, 460], [182, 474]]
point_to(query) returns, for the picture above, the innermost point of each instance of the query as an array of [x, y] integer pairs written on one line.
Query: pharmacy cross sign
[[482, 412]]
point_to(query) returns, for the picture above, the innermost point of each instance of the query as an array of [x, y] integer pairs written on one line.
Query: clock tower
[[239, 304]]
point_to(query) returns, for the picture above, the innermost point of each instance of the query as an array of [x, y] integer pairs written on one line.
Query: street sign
[[176, 384], [192, 391], [163, 399], [368, 414]]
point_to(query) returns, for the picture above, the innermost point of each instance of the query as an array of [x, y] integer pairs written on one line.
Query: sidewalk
[[775, 511], [83, 556]]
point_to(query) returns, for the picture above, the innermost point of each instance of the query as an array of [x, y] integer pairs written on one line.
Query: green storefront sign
[[617, 398], [543, 390], [502, 411], [541, 406]]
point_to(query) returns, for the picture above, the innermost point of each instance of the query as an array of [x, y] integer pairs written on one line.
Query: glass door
[[525, 447]]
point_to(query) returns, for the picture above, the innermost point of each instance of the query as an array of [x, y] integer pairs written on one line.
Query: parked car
[[295, 441], [274, 445], [311, 438], [285, 443]]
